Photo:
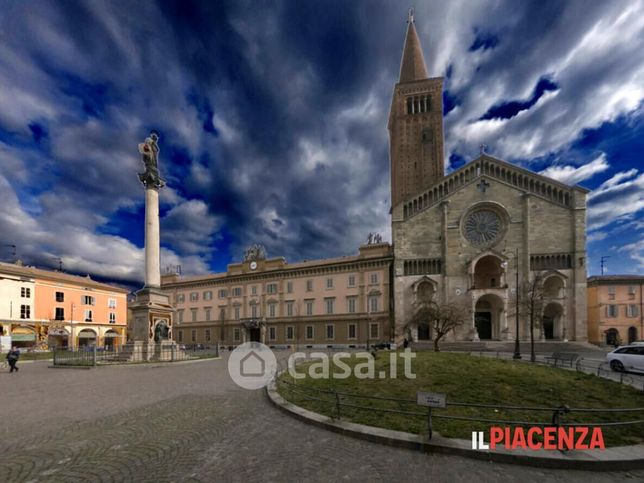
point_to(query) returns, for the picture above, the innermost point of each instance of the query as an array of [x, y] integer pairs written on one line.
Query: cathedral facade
[[480, 235]]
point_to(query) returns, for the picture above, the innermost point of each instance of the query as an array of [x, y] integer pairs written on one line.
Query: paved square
[[189, 422]]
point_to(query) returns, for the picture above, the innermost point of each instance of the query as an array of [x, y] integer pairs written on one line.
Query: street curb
[[611, 459]]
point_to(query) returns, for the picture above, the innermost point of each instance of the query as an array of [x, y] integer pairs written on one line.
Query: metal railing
[[335, 401], [92, 356], [601, 369]]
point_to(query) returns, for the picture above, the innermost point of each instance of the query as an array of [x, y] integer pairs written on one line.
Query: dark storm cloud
[[273, 115]]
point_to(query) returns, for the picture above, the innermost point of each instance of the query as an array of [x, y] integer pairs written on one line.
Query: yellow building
[[615, 310], [337, 302], [44, 308]]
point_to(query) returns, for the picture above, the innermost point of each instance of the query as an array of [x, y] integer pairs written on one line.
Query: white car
[[627, 358]]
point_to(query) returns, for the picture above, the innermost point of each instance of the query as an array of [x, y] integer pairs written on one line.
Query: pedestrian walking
[[12, 358]]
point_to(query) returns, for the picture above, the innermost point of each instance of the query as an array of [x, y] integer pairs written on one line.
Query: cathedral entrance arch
[[487, 316], [424, 331], [551, 320], [489, 273]]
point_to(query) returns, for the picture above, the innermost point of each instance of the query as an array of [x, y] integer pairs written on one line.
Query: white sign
[[431, 399], [5, 343]]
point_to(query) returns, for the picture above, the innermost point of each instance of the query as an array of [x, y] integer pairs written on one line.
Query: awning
[[62, 332], [111, 334], [23, 337], [87, 335]]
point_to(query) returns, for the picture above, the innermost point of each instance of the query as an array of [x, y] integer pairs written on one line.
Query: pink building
[[44, 308]]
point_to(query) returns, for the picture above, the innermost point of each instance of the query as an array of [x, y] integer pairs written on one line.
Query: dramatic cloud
[[620, 197], [273, 119], [573, 175]]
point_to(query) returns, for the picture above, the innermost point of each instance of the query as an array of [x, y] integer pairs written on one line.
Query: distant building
[[337, 302], [615, 309], [44, 308]]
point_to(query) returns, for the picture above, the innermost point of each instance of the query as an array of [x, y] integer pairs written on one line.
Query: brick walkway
[[189, 422]]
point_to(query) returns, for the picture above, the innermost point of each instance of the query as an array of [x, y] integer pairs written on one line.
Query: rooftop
[[598, 279], [52, 275]]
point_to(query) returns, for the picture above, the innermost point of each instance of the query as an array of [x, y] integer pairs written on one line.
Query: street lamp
[[368, 324], [72, 343], [517, 352]]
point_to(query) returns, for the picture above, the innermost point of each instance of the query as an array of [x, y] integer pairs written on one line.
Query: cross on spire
[[410, 15]]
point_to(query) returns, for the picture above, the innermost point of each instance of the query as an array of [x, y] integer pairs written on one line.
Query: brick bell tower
[[415, 124]]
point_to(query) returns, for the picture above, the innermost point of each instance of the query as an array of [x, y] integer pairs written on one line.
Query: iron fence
[[600, 369], [336, 402], [92, 356]]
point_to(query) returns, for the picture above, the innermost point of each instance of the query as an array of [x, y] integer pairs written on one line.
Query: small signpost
[[431, 400]]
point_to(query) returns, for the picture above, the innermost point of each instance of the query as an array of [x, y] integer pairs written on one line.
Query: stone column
[[152, 239], [152, 308]]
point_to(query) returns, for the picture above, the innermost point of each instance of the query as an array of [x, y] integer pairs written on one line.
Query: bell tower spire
[[415, 123], [412, 66]]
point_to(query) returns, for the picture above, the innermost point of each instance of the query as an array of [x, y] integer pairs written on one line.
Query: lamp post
[[368, 320], [517, 352], [71, 323]]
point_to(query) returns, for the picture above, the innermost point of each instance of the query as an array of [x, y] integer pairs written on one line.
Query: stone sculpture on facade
[[254, 253]]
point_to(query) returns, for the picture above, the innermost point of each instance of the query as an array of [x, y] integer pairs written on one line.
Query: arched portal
[[487, 316], [632, 334], [23, 337], [488, 272], [86, 337], [612, 337], [553, 287], [551, 320], [111, 339], [58, 338], [424, 292]]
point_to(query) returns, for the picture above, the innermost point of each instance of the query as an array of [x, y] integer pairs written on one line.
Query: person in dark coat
[[12, 358], [405, 343]]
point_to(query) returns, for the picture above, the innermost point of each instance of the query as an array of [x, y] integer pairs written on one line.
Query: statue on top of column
[[149, 150]]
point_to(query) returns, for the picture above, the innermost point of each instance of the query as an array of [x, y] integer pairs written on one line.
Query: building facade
[[615, 309], [45, 309], [462, 238], [339, 302]]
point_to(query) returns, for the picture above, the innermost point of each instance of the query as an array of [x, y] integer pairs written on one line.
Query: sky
[[272, 119]]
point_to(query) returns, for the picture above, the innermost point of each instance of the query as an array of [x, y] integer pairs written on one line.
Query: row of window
[[25, 292], [612, 291], [290, 333], [88, 316], [631, 310], [292, 309], [272, 288]]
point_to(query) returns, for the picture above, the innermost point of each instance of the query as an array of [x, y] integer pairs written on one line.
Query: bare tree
[[442, 318]]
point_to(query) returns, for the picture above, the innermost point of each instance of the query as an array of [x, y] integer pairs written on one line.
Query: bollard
[[429, 423], [558, 412], [337, 404]]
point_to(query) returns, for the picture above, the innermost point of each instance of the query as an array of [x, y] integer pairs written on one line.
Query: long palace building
[[332, 302]]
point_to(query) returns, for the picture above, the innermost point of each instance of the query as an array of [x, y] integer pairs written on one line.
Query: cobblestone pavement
[[189, 422]]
